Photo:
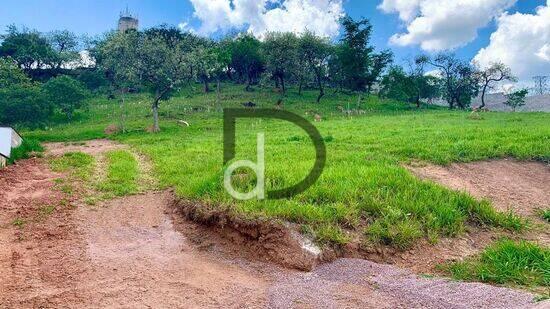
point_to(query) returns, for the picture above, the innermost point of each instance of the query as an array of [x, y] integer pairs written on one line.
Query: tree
[[494, 73], [220, 61], [160, 59], [246, 58], [117, 56], [94, 79], [410, 87], [459, 78], [66, 93], [65, 44], [29, 49], [281, 53], [354, 53], [516, 98], [396, 85], [315, 50], [163, 65], [378, 62]]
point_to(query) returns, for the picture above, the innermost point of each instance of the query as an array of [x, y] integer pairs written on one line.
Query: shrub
[[65, 93], [24, 105]]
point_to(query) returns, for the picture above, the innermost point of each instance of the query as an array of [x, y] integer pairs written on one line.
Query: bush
[[66, 93], [24, 105]]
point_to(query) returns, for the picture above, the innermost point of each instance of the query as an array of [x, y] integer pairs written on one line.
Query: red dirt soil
[[136, 252]]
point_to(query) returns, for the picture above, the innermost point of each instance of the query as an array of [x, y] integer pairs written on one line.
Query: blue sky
[[98, 16]]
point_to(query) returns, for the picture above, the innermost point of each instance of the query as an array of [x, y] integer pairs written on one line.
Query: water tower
[[127, 21]]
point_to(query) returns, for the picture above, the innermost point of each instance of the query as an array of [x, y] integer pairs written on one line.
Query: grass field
[[364, 188]]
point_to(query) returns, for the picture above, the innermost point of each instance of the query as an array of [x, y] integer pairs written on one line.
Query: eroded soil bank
[[138, 251]]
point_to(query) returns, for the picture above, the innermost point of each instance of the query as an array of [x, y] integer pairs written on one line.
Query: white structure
[[9, 139]]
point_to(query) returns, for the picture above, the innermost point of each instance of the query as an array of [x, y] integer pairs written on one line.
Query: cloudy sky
[[516, 32]]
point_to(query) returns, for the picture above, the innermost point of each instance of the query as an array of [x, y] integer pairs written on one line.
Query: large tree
[[377, 64], [164, 64], [281, 53], [65, 44], [488, 77], [315, 50], [246, 58], [354, 53], [459, 78]]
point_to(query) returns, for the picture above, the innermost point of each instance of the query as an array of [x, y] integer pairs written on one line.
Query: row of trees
[[457, 81], [162, 59]]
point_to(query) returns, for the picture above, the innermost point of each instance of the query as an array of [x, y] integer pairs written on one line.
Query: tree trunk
[[206, 85], [300, 86], [229, 74], [321, 88], [283, 84], [483, 96], [158, 96]]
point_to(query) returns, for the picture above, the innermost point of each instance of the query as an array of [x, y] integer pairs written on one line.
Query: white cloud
[[443, 24], [521, 41], [261, 16]]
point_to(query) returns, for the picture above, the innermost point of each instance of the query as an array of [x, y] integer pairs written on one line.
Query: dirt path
[[133, 252]]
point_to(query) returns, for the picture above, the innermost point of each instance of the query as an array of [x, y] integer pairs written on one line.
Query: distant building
[[9, 139], [127, 21]]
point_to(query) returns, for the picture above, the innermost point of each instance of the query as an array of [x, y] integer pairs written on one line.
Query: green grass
[[28, 146], [364, 188], [506, 262], [122, 174], [78, 164]]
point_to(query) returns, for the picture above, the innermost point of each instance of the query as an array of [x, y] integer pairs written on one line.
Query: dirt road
[[134, 252]]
